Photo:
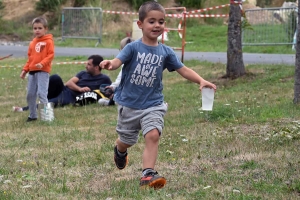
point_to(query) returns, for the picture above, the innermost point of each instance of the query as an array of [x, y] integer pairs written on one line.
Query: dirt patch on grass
[[17, 8]]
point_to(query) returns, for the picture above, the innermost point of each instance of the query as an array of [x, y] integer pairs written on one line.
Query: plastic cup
[[46, 112], [208, 95]]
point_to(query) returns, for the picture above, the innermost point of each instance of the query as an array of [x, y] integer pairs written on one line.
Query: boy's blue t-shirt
[[141, 84]]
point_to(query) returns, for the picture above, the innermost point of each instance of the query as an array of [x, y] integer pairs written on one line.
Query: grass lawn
[[246, 148]]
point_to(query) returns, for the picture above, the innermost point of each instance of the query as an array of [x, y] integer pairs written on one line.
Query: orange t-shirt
[[41, 50]]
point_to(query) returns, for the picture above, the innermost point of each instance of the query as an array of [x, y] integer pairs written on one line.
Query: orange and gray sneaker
[[153, 180], [120, 161]]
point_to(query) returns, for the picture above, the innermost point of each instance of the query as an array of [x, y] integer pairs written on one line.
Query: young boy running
[[139, 96]]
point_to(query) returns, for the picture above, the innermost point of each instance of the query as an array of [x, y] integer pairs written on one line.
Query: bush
[[136, 3], [190, 3], [88, 3], [49, 5], [1, 7], [79, 3]]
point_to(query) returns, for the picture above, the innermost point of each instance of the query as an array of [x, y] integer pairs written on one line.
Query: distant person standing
[[38, 65]]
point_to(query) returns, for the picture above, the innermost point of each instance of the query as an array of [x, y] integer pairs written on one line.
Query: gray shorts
[[131, 121]]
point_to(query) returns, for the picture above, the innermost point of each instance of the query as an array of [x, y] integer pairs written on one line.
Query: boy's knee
[[128, 140], [152, 135]]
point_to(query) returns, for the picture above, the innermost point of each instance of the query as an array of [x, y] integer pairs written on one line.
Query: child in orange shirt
[[38, 65]]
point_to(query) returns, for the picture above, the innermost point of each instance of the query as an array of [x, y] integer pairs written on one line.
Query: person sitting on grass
[[84, 81]]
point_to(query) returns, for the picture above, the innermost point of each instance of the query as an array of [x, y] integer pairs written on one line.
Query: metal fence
[[270, 26], [83, 22]]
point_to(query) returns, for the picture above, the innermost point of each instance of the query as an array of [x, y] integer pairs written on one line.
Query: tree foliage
[[190, 3], [49, 5], [136, 3], [1, 7], [79, 3]]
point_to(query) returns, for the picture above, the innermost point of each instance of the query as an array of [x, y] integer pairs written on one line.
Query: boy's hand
[[106, 64], [39, 65], [205, 83], [23, 74]]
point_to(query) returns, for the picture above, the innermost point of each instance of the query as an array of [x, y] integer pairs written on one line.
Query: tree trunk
[[235, 64], [297, 64]]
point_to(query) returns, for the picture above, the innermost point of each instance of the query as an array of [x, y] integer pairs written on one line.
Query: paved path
[[249, 58]]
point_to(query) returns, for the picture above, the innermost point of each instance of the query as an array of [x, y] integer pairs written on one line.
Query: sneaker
[[31, 119], [120, 162], [103, 102], [153, 180], [17, 109]]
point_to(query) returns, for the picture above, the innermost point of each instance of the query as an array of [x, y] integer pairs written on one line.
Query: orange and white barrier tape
[[69, 63], [119, 12], [18, 66], [2, 58], [58, 63], [211, 15], [133, 13], [206, 9], [188, 15]]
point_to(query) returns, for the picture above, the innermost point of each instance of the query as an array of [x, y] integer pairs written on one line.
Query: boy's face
[[39, 30], [153, 25]]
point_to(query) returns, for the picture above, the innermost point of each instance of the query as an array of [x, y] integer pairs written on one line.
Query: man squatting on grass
[[139, 96]]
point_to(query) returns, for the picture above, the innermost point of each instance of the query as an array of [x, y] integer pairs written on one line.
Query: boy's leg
[[31, 96], [151, 149], [42, 90], [128, 130], [122, 147], [150, 177], [120, 154], [152, 125]]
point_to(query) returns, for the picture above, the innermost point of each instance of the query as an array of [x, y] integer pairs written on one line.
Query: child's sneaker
[[103, 102], [17, 109], [153, 180], [31, 119], [120, 162]]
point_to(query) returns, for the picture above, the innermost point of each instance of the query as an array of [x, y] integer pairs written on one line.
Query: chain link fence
[[83, 22], [270, 26]]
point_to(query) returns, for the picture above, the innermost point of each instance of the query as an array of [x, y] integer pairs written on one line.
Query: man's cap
[[125, 41]]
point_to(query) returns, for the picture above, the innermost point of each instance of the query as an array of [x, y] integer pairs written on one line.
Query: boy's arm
[[50, 54], [191, 75], [111, 64]]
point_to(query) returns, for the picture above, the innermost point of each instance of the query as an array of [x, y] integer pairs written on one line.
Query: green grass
[[246, 148]]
